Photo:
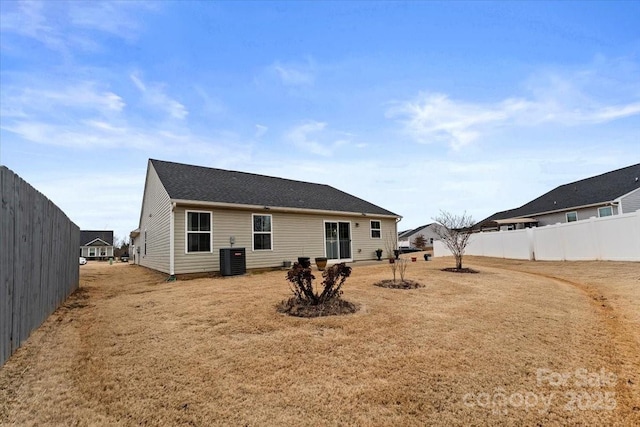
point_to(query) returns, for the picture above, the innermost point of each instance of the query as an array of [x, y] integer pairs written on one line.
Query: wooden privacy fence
[[38, 260]]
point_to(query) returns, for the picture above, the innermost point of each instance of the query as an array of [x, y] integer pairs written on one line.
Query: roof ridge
[[242, 172], [598, 176]]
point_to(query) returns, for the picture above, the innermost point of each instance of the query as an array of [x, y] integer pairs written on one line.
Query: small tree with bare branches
[[455, 231]]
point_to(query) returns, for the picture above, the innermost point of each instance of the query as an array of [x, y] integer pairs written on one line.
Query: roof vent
[[636, 179]]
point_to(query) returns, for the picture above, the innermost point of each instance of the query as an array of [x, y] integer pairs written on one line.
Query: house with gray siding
[[96, 244], [407, 238], [191, 212], [610, 193]]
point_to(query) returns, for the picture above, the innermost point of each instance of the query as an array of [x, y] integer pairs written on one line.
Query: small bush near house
[[307, 302]]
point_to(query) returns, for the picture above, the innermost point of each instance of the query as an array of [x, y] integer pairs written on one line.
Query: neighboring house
[[611, 193], [407, 238], [96, 244], [190, 212]]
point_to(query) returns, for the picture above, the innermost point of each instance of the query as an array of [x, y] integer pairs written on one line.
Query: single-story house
[[407, 238], [96, 244], [610, 193], [191, 212]]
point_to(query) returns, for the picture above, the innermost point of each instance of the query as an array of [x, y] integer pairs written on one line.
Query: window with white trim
[[572, 216], [605, 211], [376, 229], [261, 232], [198, 231], [92, 252]]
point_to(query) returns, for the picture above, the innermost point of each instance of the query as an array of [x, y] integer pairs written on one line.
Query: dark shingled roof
[[88, 236], [187, 182], [597, 189], [406, 233]]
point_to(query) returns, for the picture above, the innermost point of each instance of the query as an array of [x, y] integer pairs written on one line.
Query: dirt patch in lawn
[[335, 307], [523, 343], [460, 270], [400, 284]]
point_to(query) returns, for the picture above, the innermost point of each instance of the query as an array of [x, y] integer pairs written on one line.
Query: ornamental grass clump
[[324, 301]]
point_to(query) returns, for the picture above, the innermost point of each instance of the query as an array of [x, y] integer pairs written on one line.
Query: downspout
[[172, 273], [397, 245]]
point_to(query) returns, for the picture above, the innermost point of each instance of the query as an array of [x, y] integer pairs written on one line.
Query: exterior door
[[337, 237]]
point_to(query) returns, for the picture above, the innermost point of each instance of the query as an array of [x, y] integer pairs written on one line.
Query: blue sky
[[414, 106]]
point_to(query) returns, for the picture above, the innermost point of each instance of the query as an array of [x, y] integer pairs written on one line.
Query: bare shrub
[[402, 268], [394, 267], [307, 302], [455, 233]]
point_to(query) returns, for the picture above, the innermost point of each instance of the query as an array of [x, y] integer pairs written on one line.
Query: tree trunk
[[459, 262]]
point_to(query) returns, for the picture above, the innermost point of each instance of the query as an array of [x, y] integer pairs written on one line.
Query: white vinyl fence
[[612, 238]]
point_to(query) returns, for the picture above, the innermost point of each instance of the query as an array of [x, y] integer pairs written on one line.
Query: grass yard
[[520, 343]]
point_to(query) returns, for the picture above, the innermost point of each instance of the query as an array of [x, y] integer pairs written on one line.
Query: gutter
[[278, 209]]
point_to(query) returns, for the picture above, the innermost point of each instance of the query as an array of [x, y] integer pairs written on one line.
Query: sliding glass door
[[337, 237]]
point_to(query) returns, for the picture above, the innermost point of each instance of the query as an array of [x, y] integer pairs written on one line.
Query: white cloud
[[435, 117], [119, 197], [302, 137], [28, 19], [295, 74], [154, 96], [84, 95], [211, 106], [315, 137], [260, 131], [115, 18], [553, 99], [65, 26], [76, 114]]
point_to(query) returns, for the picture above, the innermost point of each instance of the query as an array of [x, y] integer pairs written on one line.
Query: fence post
[[593, 231]]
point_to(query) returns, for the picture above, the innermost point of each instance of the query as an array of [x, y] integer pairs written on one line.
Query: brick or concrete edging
[[611, 238], [38, 260]]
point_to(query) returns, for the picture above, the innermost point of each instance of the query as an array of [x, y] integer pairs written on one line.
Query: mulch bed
[[401, 284], [295, 307], [460, 270]]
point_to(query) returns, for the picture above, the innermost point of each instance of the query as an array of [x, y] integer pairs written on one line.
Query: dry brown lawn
[[520, 343]]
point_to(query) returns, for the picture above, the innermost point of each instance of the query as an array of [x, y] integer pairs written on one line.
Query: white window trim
[[566, 215], [92, 249], [186, 232], [605, 207], [371, 229], [253, 233]]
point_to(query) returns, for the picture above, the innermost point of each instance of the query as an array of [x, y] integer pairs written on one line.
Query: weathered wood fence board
[[38, 260]]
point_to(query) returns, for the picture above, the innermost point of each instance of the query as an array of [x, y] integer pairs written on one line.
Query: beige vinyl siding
[[630, 202], [293, 235], [364, 246], [155, 220]]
